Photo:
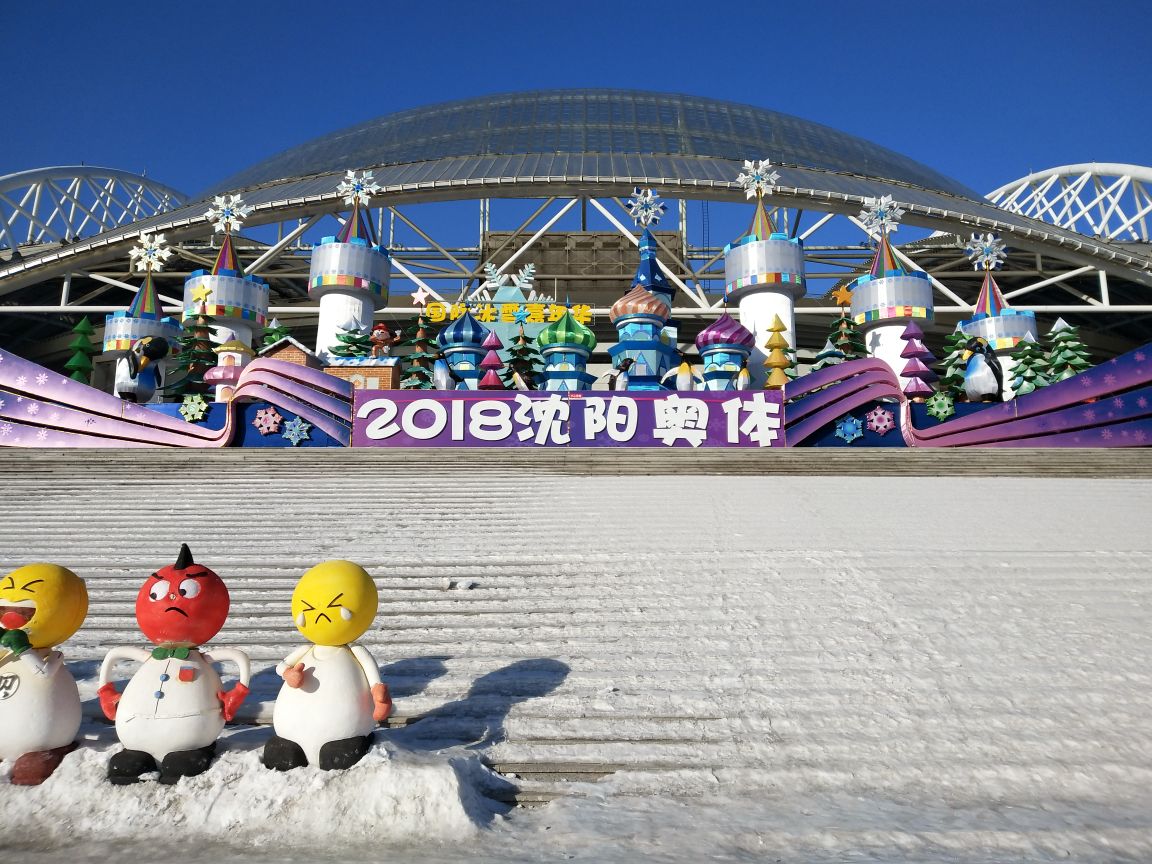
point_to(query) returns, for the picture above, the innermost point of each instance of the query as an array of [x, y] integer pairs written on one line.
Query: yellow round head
[[46, 601], [334, 603]]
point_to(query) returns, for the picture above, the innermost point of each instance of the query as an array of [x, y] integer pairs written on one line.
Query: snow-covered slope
[[903, 667]]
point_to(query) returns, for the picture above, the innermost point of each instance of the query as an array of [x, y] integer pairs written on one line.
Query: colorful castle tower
[[763, 270], [144, 317], [462, 344], [236, 302], [724, 346], [1003, 327], [232, 356], [350, 271], [566, 346], [888, 297]]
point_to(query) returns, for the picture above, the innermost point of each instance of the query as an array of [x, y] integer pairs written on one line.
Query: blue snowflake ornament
[[849, 428], [296, 430]]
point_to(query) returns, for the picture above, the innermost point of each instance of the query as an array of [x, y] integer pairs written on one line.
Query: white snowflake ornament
[[152, 252], [227, 213], [357, 188], [494, 278], [643, 207], [881, 214], [194, 408], [757, 179], [986, 251]]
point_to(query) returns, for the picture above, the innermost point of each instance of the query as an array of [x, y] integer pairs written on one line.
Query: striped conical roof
[[725, 330], [226, 257], [990, 302], [567, 331], [146, 304], [884, 262], [358, 227]]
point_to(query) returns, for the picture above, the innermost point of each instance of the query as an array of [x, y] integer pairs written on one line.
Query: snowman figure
[[172, 711], [332, 697], [41, 605]]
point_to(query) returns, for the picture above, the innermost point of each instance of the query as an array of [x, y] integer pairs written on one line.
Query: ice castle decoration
[[144, 316], [237, 302], [565, 346], [888, 297], [763, 270], [350, 271], [462, 344], [724, 346], [992, 319]]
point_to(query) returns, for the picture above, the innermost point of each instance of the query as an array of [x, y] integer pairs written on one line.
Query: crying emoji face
[[334, 603]]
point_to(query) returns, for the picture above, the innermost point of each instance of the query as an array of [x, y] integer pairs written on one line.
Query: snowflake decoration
[[493, 277], [33, 408], [5, 428], [881, 214], [152, 252], [940, 405], [1, 404], [985, 251], [194, 408], [268, 420], [757, 179], [880, 420], [21, 380], [42, 434], [644, 208], [525, 277], [849, 428], [41, 379], [296, 430], [357, 188], [1106, 434], [227, 213]]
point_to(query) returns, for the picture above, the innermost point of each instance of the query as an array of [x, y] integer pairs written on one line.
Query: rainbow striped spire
[[226, 258], [990, 302], [358, 227], [884, 263], [762, 225], [146, 303]]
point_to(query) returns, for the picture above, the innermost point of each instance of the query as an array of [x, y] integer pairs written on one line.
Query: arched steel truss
[[64, 204], [1106, 200]]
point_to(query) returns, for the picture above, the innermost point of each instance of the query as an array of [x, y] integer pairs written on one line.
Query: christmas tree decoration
[[524, 361], [725, 346], [764, 269], [197, 354], [274, 332], [353, 342], [491, 364], [880, 420], [888, 297], [1067, 355], [940, 405], [82, 348], [829, 355], [421, 343], [777, 360], [267, 420], [174, 707], [1029, 368], [849, 428], [296, 431], [955, 357], [350, 271], [917, 373], [43, 605]]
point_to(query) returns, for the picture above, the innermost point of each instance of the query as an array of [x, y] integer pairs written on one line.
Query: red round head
[[184, 604]]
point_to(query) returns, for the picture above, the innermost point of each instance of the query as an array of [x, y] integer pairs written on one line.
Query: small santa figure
[[382, 340]]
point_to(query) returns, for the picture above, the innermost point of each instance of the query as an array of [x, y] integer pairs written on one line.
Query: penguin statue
[[444, 377], [983, 377], [138, 373], [332, 696], [681, 377], [618, 377], [172, 711], [743, 379], [42, 605]]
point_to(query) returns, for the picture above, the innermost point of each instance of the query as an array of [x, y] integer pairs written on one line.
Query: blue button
[[159, 694], [165, 676]]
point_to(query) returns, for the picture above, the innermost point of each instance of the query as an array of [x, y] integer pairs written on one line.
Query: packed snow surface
[[801, 669]]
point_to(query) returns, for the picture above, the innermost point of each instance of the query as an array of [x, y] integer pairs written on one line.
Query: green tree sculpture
[[846, 337], [1030, 368], [523, 361], [274, 332], [82, 348], [420, 339], [354, 342], [196, 354], [952, 366], [1067, 356]]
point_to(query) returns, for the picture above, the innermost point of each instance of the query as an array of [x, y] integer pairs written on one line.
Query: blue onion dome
[[725, 330], [464, 332], [567, 331], [639, 301]]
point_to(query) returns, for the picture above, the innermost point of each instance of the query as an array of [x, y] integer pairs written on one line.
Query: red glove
[[109, 699], [383, 700], [230, 700]]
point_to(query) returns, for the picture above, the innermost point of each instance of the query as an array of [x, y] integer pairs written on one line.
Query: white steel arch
[[1099, 199], [62, 204]]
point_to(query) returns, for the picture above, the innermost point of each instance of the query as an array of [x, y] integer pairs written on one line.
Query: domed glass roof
[[592, 123]]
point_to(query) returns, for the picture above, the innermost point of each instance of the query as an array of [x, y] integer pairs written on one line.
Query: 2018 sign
[[392, 418]]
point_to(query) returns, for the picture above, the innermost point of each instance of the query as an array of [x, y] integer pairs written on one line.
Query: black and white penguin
[[618, 377], [983, 377], [138, 374]]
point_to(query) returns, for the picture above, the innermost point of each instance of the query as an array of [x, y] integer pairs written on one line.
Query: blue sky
[[984, 92]]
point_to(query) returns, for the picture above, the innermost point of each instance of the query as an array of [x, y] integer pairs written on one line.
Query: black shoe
[[186, 763], [127, 766], [337, 755], [280, 754]]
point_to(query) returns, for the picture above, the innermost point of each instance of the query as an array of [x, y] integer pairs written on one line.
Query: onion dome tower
[[1003, 327], [764, 269], [566, 346], [144, 317], [724, 346], [888, 297], [641, 315], [350, 271], [462, 344], [235, 302]]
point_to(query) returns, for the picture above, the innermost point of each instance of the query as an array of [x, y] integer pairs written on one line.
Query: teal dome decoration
[[567, 331]]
